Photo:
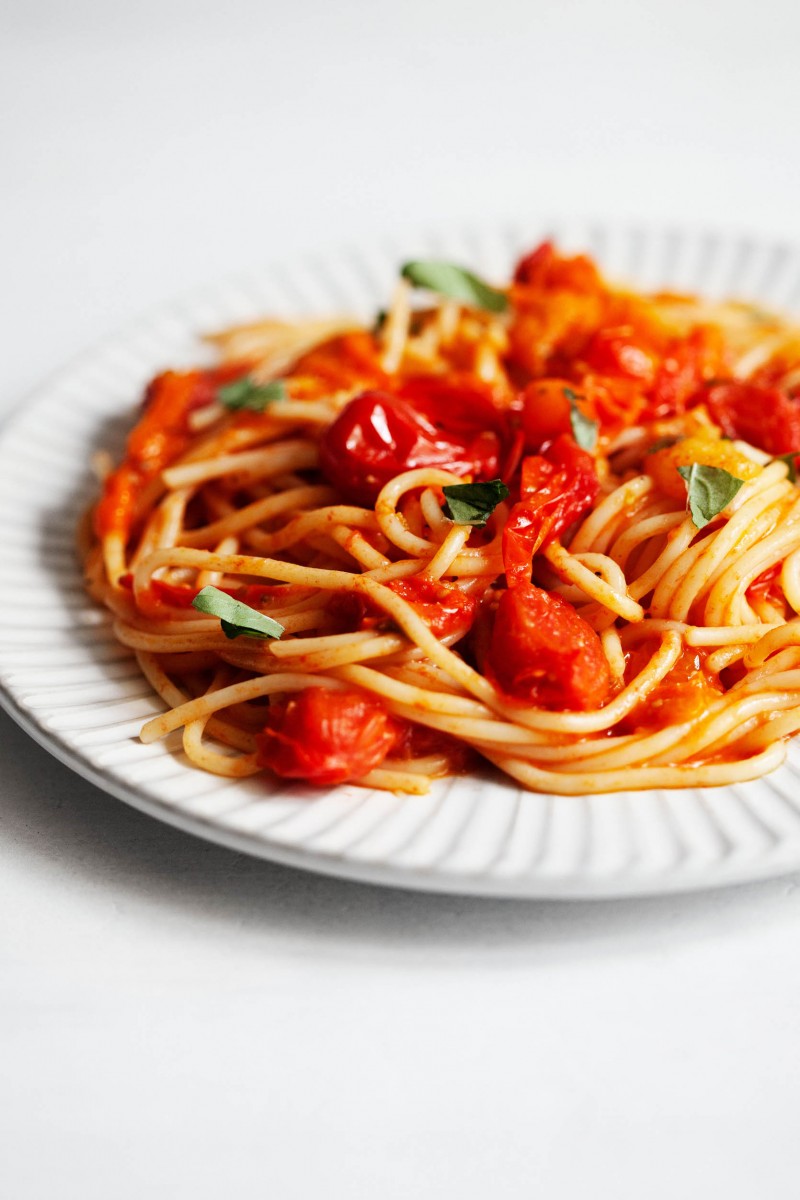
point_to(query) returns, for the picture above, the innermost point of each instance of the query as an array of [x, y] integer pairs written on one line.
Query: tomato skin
[[444, 607], [685, 693], [532, 268], [614, 402], [546, 410], [325, 737], [458, 404], [379, 435], [542, 652], [556, 490], [160, 435], [685, 365], [346, 361], [763, 416], [613, 351], [545, 268]]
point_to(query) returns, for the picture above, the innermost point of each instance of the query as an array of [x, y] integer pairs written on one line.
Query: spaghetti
[[553, 525]]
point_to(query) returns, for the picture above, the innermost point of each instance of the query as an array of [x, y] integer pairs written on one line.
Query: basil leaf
[[473, 503], [710, 489], [246, 393], [237, 619], [456, 283], [791, 463], [584, 429]]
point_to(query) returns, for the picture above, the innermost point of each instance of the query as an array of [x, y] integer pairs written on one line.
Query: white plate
[[67, 682]]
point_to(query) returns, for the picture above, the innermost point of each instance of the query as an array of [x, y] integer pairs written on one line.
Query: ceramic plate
[[77, 692]]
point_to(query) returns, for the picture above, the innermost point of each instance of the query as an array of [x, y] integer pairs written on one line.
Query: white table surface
[[179, 1020]]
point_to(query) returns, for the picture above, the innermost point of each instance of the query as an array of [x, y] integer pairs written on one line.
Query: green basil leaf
[[473, 503], [456, 283], [584, 429], [246, 393], [710, 490], [237, 619], [791, 463]]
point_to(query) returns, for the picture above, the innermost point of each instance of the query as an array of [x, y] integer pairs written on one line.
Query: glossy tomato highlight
[[378, 435], [325, 736]]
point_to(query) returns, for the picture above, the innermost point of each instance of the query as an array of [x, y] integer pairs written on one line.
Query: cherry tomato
[[546, 410], [444, 607], [161, 434], [682, 370], [380, 435], [544, 268], [459, 405], [684, 694], [614, 351], [763, 416], [542, 652], [349, 360], [325, 736], [556, 490]]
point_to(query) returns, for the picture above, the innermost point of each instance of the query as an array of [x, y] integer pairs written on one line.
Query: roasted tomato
[[763, 416], [616, 351], [379, 435], [546, 410], [161, 434], [557, 489], [684, 367], [545, 268], [325, 736], [683, 695], [444, 607], [543, 653], [613, 402]]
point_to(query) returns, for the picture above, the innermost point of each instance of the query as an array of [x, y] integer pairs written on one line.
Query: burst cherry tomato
[[380, 435], [546, 410], [159, 436], [763, 416], [616, 352], [545, 268], [444, 607], [686, 693], [557, 488], [542, 652], [685, 365], [325, 736]]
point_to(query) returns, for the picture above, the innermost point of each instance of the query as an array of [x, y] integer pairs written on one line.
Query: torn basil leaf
[[246, 393], [710, 490], [473, 503], [584, 429], [455, 283], [237, 619]]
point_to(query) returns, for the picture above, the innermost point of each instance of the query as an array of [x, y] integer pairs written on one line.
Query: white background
[[178, 1020]]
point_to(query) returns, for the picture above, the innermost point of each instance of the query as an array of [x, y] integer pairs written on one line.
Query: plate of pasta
[[467, 565]]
